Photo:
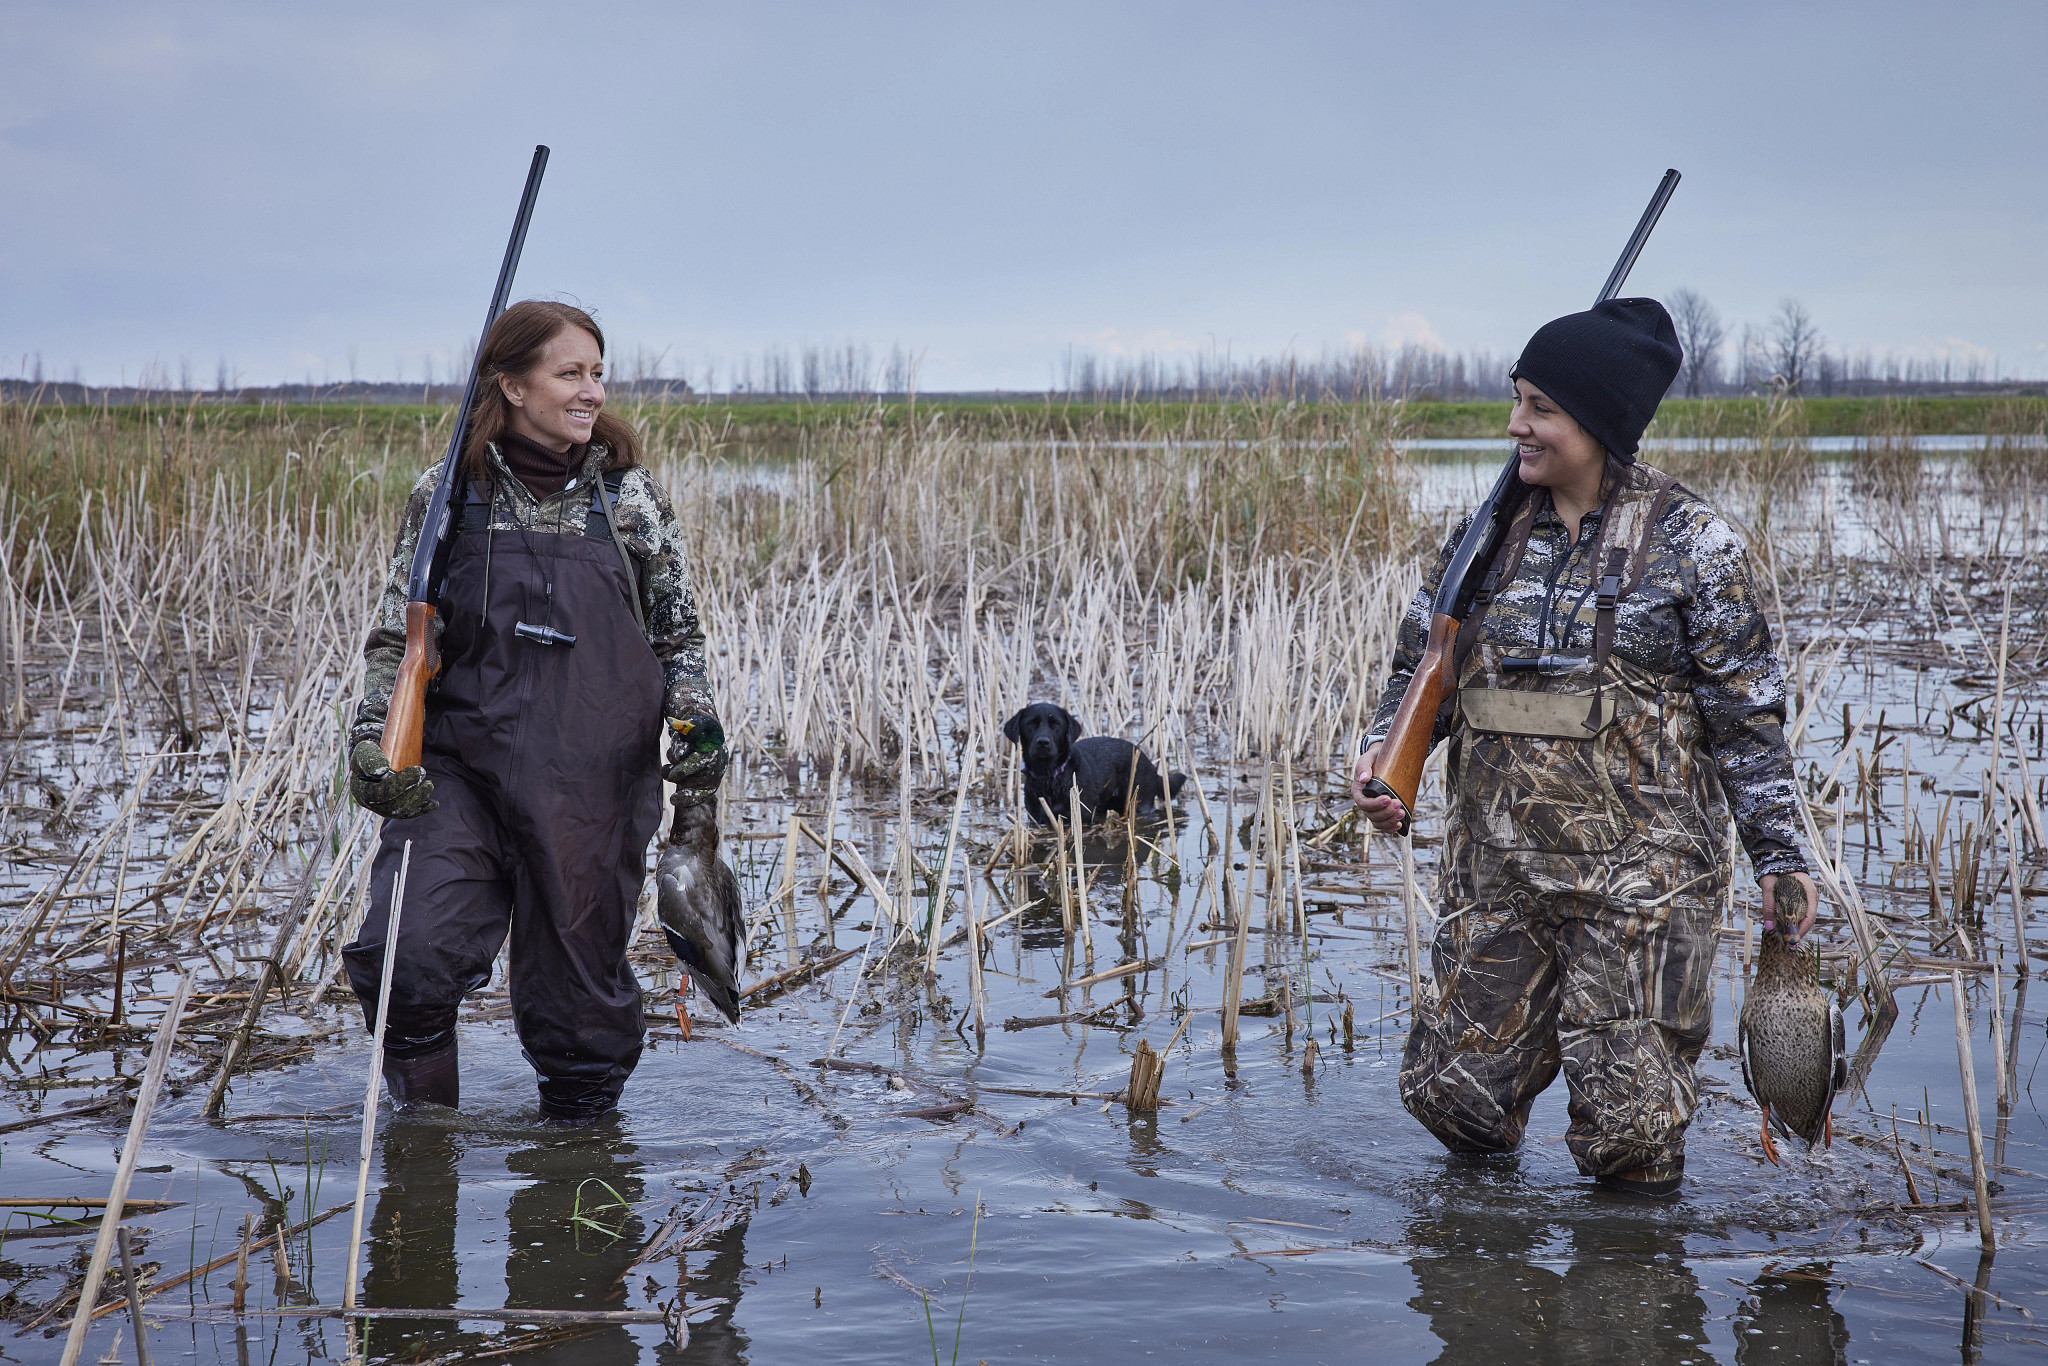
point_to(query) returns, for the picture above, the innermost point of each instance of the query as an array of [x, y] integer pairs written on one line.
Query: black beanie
[[1607, 367]]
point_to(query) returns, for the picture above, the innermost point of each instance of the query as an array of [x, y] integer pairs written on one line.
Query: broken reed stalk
[[1080, 873], [1972, 1126], [785, 890], [1408, 916], [355, 1231], [240, 1284], [2004, 1098], [831, 829], [1201, 797], [2019, 891], [124, 1171], [977, 989], [1141, 1092], [848, 857], [1241, 920], [935, 928], [1060, 876], [1300, 908], [135, 1322], [1147, 1069]]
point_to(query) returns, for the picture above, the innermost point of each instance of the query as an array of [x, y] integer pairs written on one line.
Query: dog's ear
[[1014, 727], [1074, 731]]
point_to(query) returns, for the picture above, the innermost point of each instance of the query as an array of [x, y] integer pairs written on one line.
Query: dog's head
[[1045, 732]]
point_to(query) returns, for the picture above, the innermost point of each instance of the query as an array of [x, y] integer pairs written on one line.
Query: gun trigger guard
[[1377, 787]]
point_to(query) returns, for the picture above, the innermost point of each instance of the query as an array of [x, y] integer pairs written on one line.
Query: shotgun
[[407, 713], [1398, 774]]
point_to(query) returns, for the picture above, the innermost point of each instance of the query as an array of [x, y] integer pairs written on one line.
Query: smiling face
[[1554, 450], [555, 404]]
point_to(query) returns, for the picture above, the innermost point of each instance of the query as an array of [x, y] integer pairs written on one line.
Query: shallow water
[[1264, 1213]]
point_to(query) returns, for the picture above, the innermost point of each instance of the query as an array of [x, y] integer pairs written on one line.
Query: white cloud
[[1410, 329]]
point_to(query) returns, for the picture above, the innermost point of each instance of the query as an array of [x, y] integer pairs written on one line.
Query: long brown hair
[[516, 343]]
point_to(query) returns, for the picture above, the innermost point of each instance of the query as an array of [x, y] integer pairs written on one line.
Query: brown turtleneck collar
[[544, 472]]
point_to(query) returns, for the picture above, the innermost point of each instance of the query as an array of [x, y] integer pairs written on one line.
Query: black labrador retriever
[[1057, 758]]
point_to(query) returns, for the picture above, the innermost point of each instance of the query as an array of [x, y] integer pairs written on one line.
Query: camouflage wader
[[1581, 874]]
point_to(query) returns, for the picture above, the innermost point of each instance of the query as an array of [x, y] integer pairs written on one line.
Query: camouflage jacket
[[1695, 617], [647, 524]]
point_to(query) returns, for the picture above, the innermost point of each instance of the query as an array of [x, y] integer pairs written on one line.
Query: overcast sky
[[991, 185]]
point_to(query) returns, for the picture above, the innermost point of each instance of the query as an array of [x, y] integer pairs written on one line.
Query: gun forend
[[1408, 741], [406, 716]]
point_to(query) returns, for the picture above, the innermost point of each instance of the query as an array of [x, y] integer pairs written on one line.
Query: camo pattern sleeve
[[385, 645], [1410, 640], [1738, 682], [668, 598], [1694, 615]]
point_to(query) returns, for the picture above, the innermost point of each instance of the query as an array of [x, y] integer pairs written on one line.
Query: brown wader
[[1580, 887], [544, 761]]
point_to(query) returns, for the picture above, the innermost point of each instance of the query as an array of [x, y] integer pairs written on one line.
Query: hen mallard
[[698, 900], [1790, 1031]]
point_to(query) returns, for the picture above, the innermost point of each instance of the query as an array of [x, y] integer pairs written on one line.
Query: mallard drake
[[1790, 1031], [698, 900]]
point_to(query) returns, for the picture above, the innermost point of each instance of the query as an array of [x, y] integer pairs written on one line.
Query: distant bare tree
[[1701, 334], [814, 371], [1751, 366], [1794, 343]]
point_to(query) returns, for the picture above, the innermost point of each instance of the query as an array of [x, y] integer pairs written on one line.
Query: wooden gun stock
[[406, 716], [1398, 772]]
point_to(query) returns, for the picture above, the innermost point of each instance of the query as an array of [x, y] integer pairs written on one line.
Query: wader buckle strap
[[1623, 570], [602, 495]]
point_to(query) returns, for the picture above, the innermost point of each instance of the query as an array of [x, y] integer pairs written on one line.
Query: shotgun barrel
[[405, 718], [1398, 774]]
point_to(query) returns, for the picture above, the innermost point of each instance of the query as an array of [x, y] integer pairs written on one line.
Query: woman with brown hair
[[568, 633]]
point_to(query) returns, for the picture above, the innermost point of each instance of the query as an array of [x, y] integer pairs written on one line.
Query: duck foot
[[1770, 1147], [1827, 1130], [682, 1016]]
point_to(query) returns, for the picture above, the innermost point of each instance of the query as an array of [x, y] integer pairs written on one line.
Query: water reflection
[[716, 1272], [411, 1240], [573, 1234], [1501, 1282], [1790, 1316]]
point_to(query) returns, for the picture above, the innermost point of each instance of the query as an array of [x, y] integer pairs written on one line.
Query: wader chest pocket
[[1556, 716]]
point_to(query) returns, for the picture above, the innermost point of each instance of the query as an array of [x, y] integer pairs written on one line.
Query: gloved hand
[[392, 794], [696, 751]]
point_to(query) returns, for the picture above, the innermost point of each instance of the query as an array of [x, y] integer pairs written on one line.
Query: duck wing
[[698, 901], [1838, 1073], [1742, 1051]]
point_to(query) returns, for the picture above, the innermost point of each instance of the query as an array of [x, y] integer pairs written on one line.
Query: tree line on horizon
[[1787, 350]]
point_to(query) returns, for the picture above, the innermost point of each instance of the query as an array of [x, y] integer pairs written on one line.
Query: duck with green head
[[1790, 1031]]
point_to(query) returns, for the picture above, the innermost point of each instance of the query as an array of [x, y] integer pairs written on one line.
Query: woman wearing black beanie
[[1618, 701]]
